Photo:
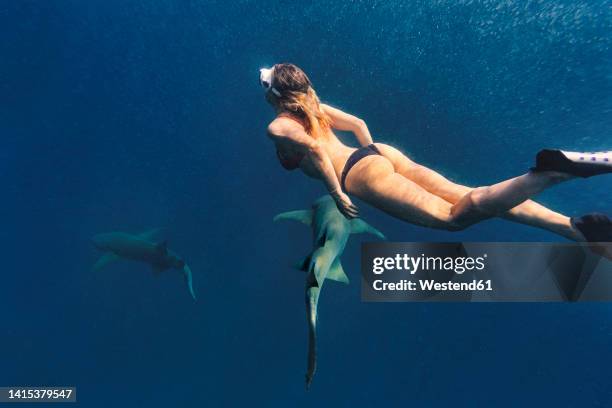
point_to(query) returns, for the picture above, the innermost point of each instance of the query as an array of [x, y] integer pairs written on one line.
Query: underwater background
[[130, 115]]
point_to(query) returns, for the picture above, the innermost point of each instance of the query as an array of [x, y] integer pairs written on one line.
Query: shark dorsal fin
[[148, 235], [336, 273], [303, 216], [359, 226]]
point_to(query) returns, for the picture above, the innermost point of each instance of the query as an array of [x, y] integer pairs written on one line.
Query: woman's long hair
[[299, 98]]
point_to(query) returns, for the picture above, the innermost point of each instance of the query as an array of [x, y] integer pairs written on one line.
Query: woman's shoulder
[[275, 129], [282, 124]]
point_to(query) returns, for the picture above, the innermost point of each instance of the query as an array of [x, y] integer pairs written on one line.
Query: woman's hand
[[344, 204], [344, 121]]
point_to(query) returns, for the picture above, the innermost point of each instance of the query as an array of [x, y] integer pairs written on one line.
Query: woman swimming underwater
[[385, 178]]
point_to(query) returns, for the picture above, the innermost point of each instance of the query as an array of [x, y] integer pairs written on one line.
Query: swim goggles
[[266, 75]]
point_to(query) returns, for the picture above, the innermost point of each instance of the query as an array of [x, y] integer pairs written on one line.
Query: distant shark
[[120, 245], [331, 231]]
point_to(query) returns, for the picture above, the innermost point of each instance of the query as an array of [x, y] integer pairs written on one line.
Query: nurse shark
[[331, 231], [121, 245]]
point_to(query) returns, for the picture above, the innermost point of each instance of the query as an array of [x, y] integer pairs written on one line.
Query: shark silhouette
[[331, 231], [121, 245]]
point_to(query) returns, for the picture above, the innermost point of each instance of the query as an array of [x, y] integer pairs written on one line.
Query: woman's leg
[[492, 201], [375, 181], [528, 212]]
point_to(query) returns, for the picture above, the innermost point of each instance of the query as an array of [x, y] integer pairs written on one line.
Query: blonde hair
[[298, 98]]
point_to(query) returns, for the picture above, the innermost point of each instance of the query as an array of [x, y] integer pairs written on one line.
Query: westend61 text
[[432, 285]]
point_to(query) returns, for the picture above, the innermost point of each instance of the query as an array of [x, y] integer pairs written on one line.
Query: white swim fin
[[581, 164]]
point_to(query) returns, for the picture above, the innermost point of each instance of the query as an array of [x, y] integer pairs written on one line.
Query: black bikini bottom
[[354, 158]]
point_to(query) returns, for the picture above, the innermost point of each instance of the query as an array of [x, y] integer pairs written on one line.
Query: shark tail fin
[[359, 226], [105, 260], [312, 301], [303, 216], [189, 280]]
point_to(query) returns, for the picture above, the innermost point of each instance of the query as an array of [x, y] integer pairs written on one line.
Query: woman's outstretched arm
[[313, 149], [344, 121]]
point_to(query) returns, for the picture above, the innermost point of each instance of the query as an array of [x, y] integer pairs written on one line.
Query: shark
[[142, 248], [330, 233]]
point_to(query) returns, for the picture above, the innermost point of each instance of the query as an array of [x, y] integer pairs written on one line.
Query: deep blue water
[[127, 115]]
